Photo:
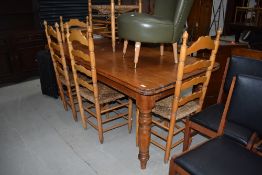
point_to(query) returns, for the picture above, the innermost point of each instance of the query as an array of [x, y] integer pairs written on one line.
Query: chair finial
[[185, 35], [56, 25]]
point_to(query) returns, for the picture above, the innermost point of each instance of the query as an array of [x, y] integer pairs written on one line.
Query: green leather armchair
[[164, 26]]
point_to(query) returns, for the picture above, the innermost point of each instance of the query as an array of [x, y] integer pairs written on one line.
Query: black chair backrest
[[245, 106], [242, 65], [182, 11]]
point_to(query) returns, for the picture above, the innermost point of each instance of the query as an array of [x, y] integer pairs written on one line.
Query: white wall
[[221, 20]]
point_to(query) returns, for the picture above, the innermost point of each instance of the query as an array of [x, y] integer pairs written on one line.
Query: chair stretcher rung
[[157, 144], [114, 117], [115, 126], [114, 107]]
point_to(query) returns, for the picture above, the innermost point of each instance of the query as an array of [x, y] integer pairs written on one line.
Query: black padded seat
[[210, 118], [220, 156]]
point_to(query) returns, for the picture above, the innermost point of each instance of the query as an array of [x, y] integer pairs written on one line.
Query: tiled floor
[[38, 137]]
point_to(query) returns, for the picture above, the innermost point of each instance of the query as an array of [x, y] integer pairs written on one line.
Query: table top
[[154, 73]]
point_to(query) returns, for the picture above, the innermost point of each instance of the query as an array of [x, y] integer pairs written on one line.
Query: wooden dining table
[[153, 79]]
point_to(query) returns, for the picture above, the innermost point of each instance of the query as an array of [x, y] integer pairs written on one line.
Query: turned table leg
[[145, 105]]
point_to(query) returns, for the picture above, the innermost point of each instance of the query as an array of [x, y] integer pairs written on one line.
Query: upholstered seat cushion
[[220, 156], [145, 28], [164, 107], [105, 94], [210, 118]]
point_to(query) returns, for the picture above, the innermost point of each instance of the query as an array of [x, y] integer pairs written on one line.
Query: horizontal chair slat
[[193, 82], [80, 54], [55, 46], [83, 70], [85, 84], [204, 42], [189, 98], [197, 65], [57, 58]]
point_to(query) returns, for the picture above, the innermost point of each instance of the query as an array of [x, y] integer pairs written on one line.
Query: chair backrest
[[176, 11], [57, 52], [165, 9], [72, 23], [83, 60], [242, 65], [185, 67], [245, 107]]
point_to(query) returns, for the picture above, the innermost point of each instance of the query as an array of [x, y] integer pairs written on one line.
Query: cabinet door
[[6, 64], [199, 18]]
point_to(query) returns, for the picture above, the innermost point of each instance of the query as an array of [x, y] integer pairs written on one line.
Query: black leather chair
[[223, 155], [208, 121]]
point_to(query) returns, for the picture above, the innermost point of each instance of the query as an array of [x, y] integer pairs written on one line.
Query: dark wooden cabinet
[[20, 40], [6, 69], [199, 18], [18, 55]]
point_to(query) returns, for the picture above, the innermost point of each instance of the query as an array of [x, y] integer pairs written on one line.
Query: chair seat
[[164, 107], [106, 9], [105, 94], [220, 156], [141, 27], [210, 118]]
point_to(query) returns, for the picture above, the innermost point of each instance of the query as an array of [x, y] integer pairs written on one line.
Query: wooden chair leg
[[137, 50], [137, 126], [81, 109], [130, 104], [62, 95], [113, 27], [72, 103], [161, 49], [172, 169], [169, 140], [187, 135], [99, 124], [175, 52], [125, 48]]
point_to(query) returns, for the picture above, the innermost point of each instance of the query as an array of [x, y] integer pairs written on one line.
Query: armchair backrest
[[242, 65], [176, 11], [245, 106], [182, 10], [165, 9]]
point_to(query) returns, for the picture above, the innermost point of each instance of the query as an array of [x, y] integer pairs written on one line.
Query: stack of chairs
[[72, 53], [103, 21], [63, 76]]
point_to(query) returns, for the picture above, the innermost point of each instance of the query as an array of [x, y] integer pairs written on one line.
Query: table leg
[[145, 105]]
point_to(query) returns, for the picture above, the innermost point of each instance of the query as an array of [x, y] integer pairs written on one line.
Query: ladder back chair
[[74, 24], [103, 103], [173, 109], [63, 77], [209, 121], [104, 23]]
